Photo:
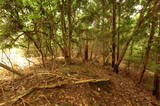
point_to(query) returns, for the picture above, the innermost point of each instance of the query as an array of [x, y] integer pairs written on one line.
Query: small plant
[[66, 71], [88, 72]]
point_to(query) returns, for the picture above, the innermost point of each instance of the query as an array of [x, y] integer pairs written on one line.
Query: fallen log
[[58, 84]]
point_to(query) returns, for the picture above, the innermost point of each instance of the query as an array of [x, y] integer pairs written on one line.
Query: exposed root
[[58, 84]]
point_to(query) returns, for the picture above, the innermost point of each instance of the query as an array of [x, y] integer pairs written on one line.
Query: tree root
[[58, 84]]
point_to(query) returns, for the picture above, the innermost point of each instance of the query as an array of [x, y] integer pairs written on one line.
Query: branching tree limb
[[152, 12], [10, 69]]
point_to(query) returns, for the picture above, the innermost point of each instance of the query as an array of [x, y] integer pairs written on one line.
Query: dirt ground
[[120, 90]]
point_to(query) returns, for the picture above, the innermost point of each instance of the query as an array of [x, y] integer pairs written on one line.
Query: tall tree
[[118, 30], [152, 11], [156, 83], [66, 27]]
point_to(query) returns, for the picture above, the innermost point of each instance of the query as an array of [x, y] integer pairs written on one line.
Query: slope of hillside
[[120, 90]]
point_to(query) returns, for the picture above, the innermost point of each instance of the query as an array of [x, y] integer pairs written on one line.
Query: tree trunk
[[92, 50], [103, 30], [66, 56], [118, 31], [66, 32], [37, 47], [146, 56], [69, 30], [156, 86], [130, 54], [156, 83], [134, 32], [86, 51], [103, 53], [114, 34]]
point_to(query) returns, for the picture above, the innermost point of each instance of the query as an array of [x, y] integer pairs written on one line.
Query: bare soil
[[121, 90]]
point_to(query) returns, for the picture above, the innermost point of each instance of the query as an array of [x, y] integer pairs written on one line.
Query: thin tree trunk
[[156, 86], [118, 31], [130, 54], [69, 29], [114, 34], [38, 48], [103, 52], [8, 58], [135, 32], [103, 30], [64, 36], [92, 50], [146, 56], [86, 51], [79, 53]]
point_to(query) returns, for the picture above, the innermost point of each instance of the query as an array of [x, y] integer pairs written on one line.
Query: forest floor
[[120, 90]]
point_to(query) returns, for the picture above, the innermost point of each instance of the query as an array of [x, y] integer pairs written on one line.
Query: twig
[[8, 58]]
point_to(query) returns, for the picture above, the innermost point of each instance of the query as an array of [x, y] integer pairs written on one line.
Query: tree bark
[[114, 34], [156, 83], [69, 29], [38, 48], [156, 86], [86, 51], [118, 31], [92, 50], [146, 56], [66, 32], [130, 54]]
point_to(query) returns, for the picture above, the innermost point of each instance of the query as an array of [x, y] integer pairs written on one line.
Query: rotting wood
[[58, 84]]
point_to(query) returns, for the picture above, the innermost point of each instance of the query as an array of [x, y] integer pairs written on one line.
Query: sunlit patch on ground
[[16, 58]]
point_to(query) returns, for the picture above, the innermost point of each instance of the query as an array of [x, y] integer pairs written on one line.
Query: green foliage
[[40, 23], [153, 66]]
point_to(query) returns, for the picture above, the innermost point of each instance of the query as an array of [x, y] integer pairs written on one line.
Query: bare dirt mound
[[74, 85]]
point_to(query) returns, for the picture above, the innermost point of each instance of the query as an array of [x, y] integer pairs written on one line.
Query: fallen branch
[[10, 69], [59, 84]]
